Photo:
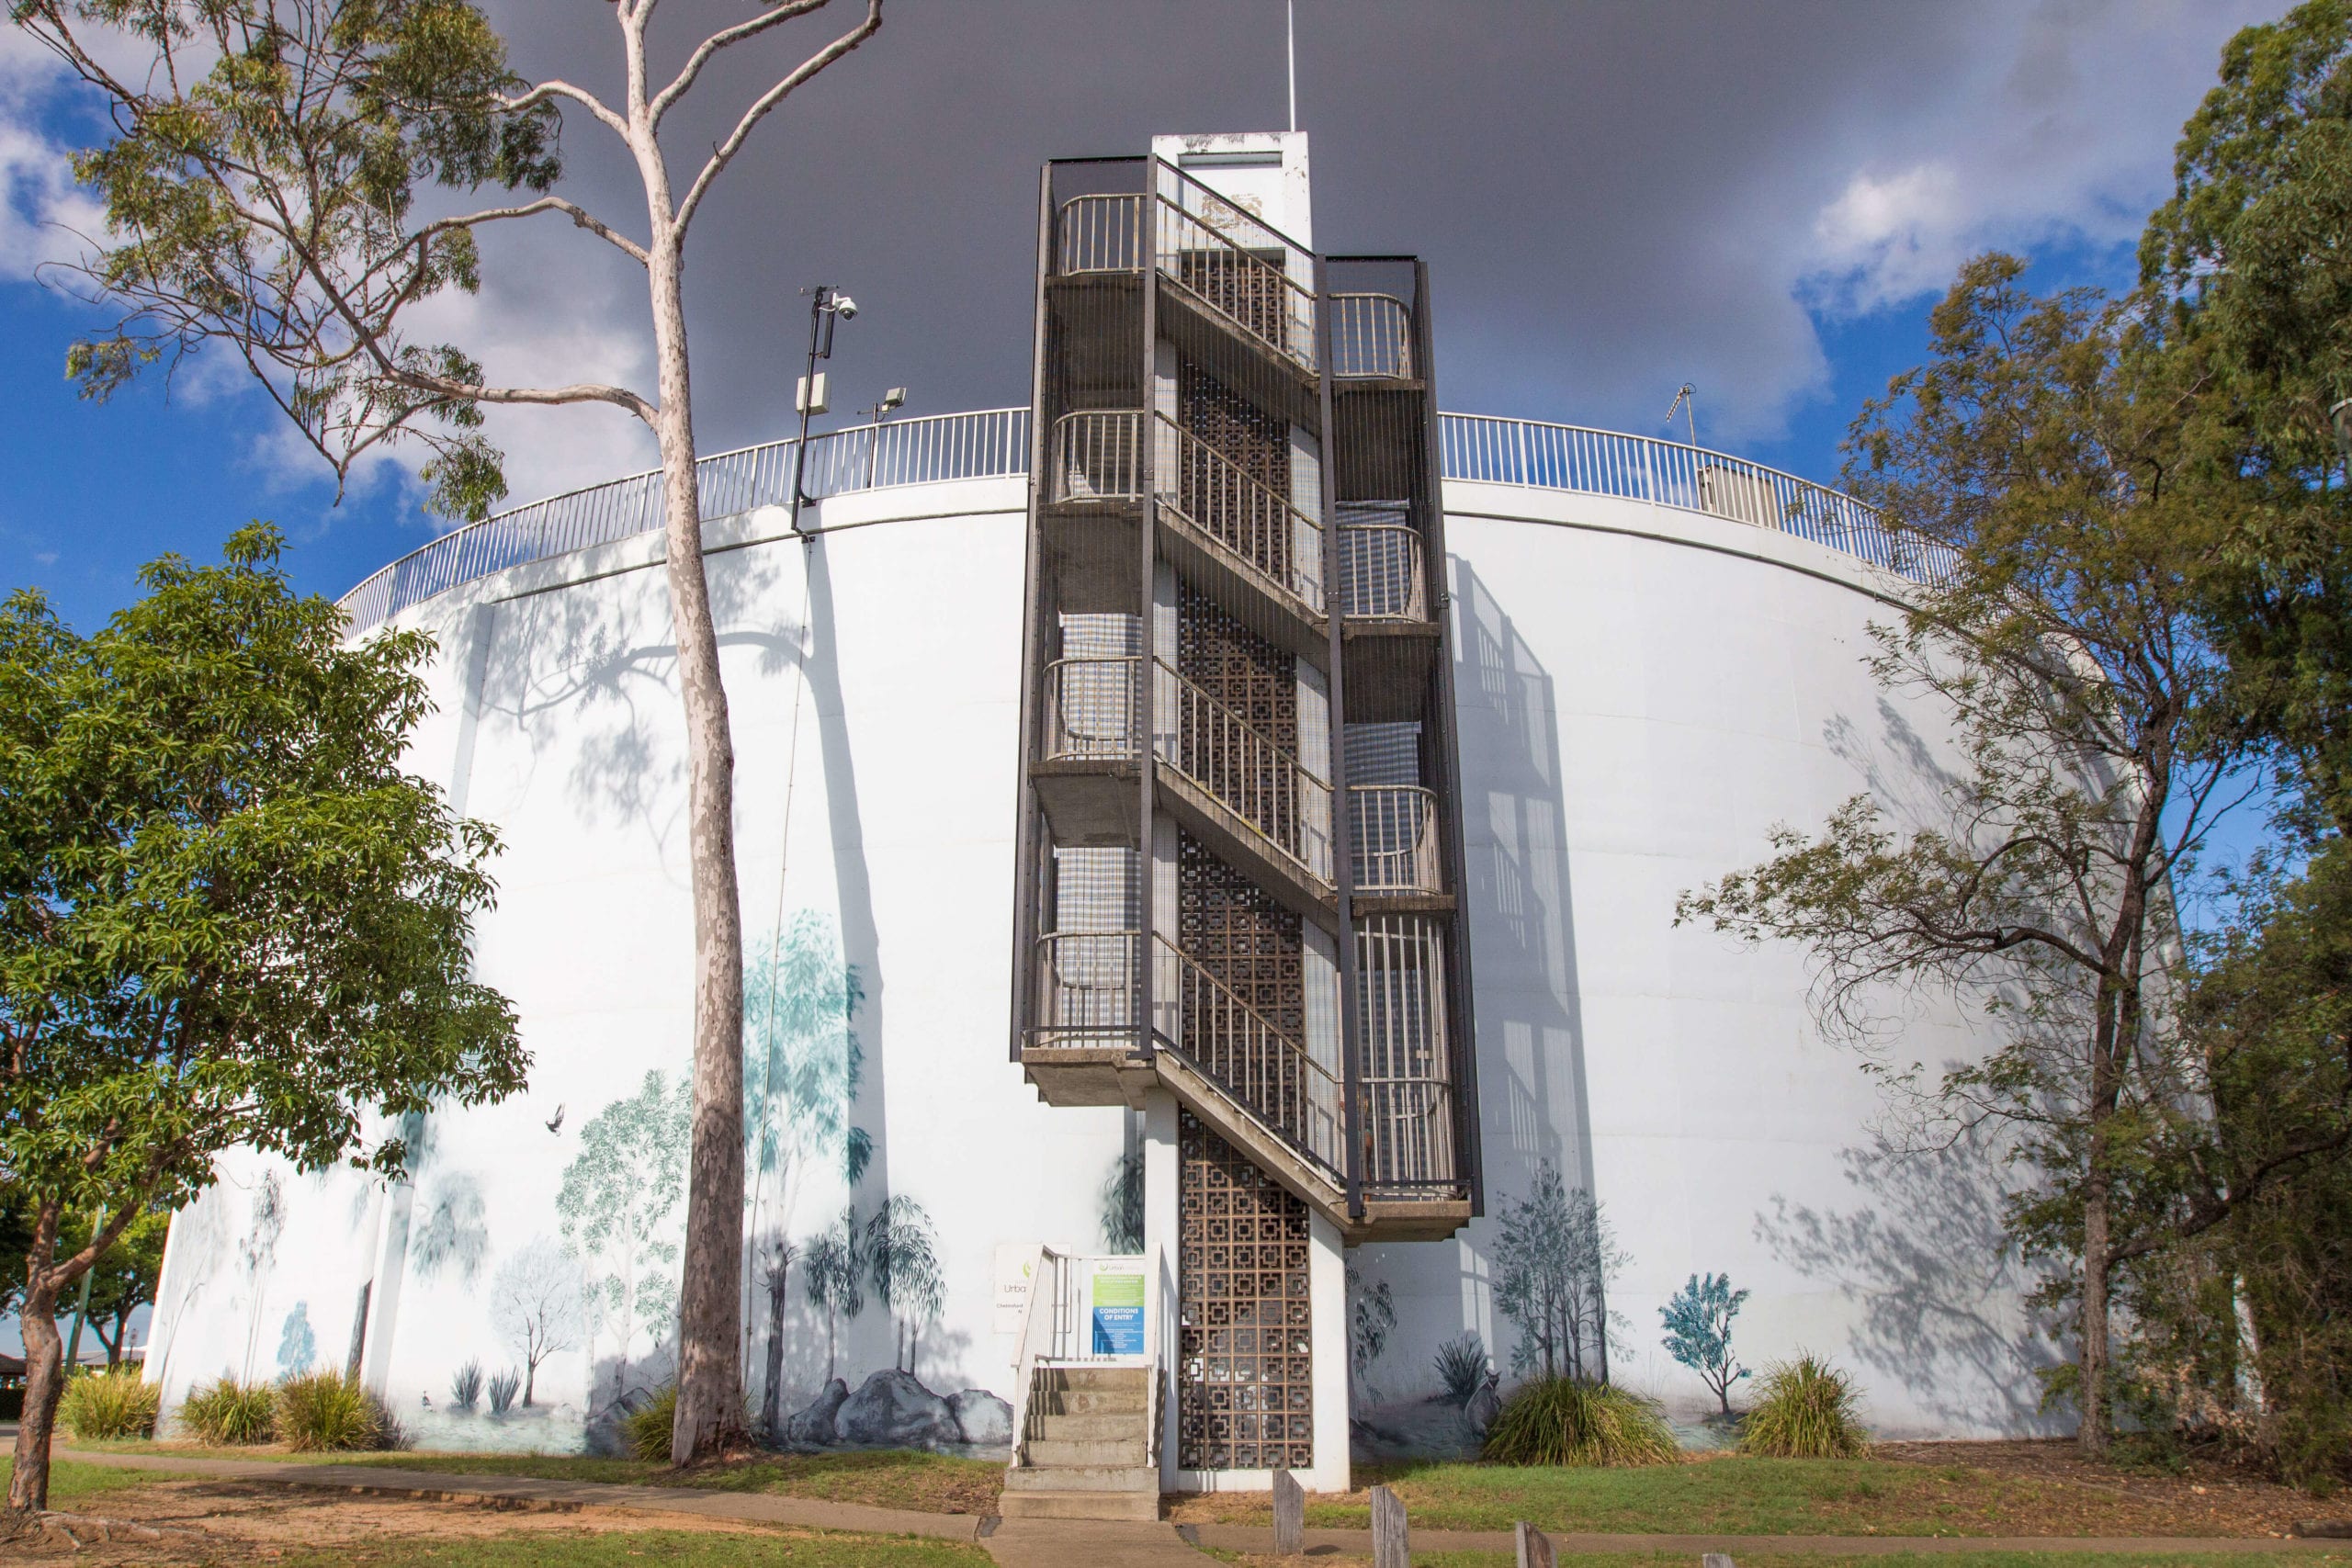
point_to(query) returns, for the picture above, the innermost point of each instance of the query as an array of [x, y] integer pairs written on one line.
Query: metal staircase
[[1231, 610]]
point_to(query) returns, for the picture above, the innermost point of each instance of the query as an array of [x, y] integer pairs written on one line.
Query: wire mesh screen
[[1401, 1067]]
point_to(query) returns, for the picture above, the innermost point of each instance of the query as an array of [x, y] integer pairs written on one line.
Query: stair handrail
[[1178, 221], [1311, 806], [1068, 741], [1101, 236], [1024, 1377], [1121, 1023], [1400, 596], [1305, 568], [1325, 1099], [1119, 456]]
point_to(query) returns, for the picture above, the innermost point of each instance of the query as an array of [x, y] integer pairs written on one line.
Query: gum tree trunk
[[44, 1368], [709, 1301]]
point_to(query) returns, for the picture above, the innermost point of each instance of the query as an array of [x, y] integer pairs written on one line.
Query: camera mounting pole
[[826, 304]]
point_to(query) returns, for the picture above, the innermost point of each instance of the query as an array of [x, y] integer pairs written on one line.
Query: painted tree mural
[[1698, 1332], [834, 1267], [451, 1232], [535, 1305], [902, 1260], [775, 1256], [1123, 1204], [619, 1196], [1553, 1258], [298, 1347]]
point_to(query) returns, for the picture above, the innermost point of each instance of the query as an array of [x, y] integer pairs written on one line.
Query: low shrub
[[1568, 1421], [320, 1411], [464, 1386], [117, 1403], [227, 1413], [1805, 1409], [503, 1387], [649, 1427]]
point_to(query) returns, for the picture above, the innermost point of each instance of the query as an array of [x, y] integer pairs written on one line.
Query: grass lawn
[[647, 1548], [72, 1484], [1724, 1496], [891, 1479]]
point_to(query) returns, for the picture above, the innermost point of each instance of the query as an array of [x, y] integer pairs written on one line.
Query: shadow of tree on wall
[[1924, 1254]]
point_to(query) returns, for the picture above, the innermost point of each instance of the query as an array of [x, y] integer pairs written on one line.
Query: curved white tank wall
[[1643, 691]]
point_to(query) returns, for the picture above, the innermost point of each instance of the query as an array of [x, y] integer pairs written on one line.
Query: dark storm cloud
[[1616, 197]]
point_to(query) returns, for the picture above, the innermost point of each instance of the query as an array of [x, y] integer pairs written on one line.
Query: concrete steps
[[1088, 1454]]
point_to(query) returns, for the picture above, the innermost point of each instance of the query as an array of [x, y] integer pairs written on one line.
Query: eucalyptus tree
[[2042, 447], [227, 917], [262, 191]]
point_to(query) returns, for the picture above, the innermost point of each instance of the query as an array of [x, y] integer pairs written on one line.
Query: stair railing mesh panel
[[1380, 563], [1372, 336], [1086, 988], [1242, 768], [1247, 272], [1241, 511], [1092, 710], [1272, 1074], [1393, 836], [1401, 1068], [1245, 1365]]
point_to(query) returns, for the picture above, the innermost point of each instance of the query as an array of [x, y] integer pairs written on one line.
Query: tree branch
[[562, 89], [725, 38], [724, 153]]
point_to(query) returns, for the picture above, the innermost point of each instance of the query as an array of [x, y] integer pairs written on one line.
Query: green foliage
[[464, 1385], [1569, 1421], [2253, 256], [1462, 1366], [1555, 1255], [1698, 1332], [802, 1063], [229, 1414], [833, 1271], [261, 185], [901, 1252], [331, 1412], [228, 915], [649, 1426], [1805, 1409], [503, 1387], [102, 1406]]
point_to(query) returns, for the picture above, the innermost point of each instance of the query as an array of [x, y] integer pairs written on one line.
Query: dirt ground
[[2077, 1496], [217, 1524]]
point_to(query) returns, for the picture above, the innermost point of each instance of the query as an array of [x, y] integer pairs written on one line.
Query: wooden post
[[1535, 1548], [1290, 1514], [1390, 1547]]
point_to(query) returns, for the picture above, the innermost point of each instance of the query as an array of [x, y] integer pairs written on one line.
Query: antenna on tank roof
[[1290, 49]]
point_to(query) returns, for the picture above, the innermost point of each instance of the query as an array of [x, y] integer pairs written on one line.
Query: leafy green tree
[[291, 179], [1698, 1332], [616, 1202], [2253, 257], [227, 916], [1555, 1255], [802, 1063], [2042, 446]]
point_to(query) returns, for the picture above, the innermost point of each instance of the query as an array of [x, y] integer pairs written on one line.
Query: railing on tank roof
[[994, 443]]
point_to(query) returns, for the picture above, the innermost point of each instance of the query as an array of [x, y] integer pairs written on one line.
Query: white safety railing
[[1381, 577], [990, 444], [1667, 473], [995, 443]]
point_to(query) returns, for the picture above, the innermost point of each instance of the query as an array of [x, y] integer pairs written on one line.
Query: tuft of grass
[[1566, 1421], [1461, 1367], [102, 1406], [649, 1430], [1805, 1409], [503, 1387], [333, 1412], [229, 1414], [464, 1386]]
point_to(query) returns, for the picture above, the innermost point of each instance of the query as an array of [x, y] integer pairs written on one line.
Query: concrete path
[[1084, 1543]]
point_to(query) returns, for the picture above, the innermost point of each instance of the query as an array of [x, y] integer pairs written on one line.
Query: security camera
[[844, 307]]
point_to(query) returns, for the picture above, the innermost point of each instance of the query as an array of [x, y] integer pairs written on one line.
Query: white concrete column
[[1326, 1287], [1160, 1232]]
